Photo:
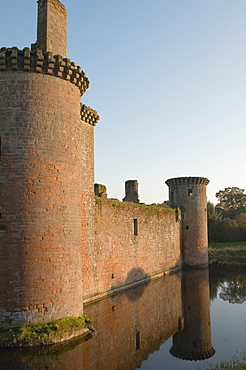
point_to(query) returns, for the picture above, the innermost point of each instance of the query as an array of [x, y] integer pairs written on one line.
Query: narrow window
[[113, 308], [135, 226], [187, 227], [190, 192], [2, 229], [137, 340], [112, 276]]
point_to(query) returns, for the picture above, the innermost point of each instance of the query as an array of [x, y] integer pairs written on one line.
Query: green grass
[[227, 253], [42, 334], [237, 363]]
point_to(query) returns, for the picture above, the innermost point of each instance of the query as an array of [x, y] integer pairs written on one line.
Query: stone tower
[[46, 176], [131, 191], [189, 194]]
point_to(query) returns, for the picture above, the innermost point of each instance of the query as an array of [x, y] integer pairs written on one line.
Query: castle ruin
[[60, 245]]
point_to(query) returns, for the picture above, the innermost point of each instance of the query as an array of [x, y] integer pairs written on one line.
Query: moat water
[[187, 320]]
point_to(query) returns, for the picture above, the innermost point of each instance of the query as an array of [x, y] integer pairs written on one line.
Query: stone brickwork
[[189, 193], [52, 27], [133, 244]]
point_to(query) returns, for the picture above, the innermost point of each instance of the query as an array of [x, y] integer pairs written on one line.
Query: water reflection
[[232, 284], [130, 326], [193, 340]]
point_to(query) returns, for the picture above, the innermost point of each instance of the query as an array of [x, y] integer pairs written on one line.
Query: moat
[[154, 327]]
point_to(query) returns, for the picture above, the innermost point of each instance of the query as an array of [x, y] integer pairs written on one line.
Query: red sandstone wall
[[120, 257], [41, 188]]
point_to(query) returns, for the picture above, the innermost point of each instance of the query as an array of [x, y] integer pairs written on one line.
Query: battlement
[[27, 60], [89, 115], [187, 180]]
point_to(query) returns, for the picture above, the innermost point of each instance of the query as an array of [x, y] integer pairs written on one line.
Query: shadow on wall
[[138, 275], [136, 279]]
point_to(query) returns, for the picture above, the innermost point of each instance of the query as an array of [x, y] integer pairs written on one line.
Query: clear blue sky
[[168, 78]]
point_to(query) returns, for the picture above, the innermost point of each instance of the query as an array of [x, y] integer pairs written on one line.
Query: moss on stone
[[148, 208], [44, 334]]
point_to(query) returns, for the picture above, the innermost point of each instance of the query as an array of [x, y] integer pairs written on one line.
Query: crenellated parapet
[[89, 115], [27, 60], [188, 181]]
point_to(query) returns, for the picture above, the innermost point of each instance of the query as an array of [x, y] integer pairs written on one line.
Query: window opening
[[190, 192], [135, 226], [137, 340]]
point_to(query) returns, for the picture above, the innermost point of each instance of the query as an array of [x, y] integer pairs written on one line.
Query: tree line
[[227, 219]]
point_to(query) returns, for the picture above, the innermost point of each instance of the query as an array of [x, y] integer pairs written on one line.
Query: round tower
[[189, 194], [46, 176]]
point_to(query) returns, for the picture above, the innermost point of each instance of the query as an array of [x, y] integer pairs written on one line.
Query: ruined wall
[[133, 242]]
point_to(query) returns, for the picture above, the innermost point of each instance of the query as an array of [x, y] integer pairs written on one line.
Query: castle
[[62, 241]]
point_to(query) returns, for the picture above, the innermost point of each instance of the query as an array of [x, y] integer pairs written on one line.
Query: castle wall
[[41, 188], [133, 243]]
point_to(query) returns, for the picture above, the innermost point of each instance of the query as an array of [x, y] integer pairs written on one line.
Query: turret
[[189, 194], [46, 176]]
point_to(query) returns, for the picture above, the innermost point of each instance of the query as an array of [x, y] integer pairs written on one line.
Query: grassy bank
[[227, 253], [237, 363], [44, 334]]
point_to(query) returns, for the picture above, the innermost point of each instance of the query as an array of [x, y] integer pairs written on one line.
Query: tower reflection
[[193, 339]]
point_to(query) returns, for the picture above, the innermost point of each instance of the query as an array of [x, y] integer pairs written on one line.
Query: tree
[[214, 219], [232, 201], [229, 231], [241, 221]]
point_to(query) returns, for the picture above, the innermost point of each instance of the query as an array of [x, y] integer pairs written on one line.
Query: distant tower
[[189, 194], [193, 340], [131, 190], [46, 176]]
